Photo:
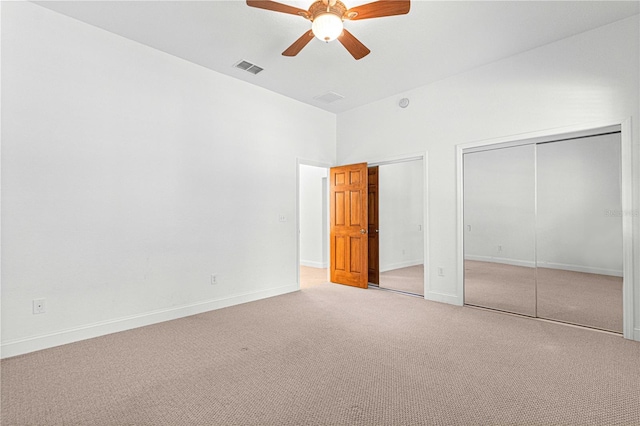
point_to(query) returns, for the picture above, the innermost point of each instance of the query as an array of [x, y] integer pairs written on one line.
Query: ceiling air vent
[[248, 67], [329, 97]]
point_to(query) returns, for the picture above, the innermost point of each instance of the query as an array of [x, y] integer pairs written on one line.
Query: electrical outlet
[[214, 279], [499, 249], [282, 218], [39, 306], [440, 271]]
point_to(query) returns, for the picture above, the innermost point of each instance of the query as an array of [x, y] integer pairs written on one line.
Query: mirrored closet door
[[401, 192], [543, 230], [499, 229], [579, 232]]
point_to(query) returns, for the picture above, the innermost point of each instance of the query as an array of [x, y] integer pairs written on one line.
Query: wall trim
[[630, 244], [451, 299], [543, 264], [102, 328], [313, 264], [580, 268], [501, 260], [399, 265]]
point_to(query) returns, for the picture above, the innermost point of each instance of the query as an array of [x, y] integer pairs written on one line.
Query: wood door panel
[[339, 258], [348, 218], [355, 212], [373, 224], [372, 216], [340, 208], [373, 257], [355, 249]]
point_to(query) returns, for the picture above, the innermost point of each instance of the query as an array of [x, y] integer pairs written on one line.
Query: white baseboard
[[451, 299], [636, 334], [313, 264], [399, 265], [502, 260], [543, 264], [580, 268], [63, 337]]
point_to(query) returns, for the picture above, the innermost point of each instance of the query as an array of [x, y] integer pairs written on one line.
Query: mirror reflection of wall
[[401, 192], [543, 230]]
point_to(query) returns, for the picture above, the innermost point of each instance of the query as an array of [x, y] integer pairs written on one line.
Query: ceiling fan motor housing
[[326, 19], [320, 7]]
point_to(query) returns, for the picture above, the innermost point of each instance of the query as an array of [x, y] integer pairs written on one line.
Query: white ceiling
[[437, 39]]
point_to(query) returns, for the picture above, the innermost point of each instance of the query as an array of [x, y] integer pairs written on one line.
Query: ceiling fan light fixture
[[327, 26], [326, 18]]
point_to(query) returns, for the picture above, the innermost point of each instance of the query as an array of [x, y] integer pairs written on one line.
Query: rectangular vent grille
[[248, 67], [329, 97]]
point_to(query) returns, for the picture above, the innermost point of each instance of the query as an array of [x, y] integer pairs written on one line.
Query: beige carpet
[[586, 299], [575, 297], [498, 286], [332, 355], [409, 280]]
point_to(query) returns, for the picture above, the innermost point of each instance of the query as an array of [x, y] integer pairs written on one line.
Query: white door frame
[[629, 244]]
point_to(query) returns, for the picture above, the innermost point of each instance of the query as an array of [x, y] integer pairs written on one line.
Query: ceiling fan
[[327, 18]]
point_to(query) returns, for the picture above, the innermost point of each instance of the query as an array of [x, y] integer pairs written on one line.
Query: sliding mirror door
[[401, 200], [579, 232], [499, 229], [543, 230]]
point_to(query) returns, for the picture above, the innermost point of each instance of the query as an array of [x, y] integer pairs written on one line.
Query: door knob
[[363, 231]]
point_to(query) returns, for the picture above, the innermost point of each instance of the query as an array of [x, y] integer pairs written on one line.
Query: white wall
[[400, 205], [591, 77], [313, 216], [130, 176]]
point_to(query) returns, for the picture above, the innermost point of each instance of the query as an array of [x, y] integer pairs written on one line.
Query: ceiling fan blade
[[353, 45], [297, 45], [278, 7], [378, 9]]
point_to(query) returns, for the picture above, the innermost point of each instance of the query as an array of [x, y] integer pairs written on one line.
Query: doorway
[[543, 231], [312, 225], [399, 191]]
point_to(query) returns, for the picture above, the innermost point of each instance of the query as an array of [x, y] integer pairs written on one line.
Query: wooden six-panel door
[[349, 233]]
